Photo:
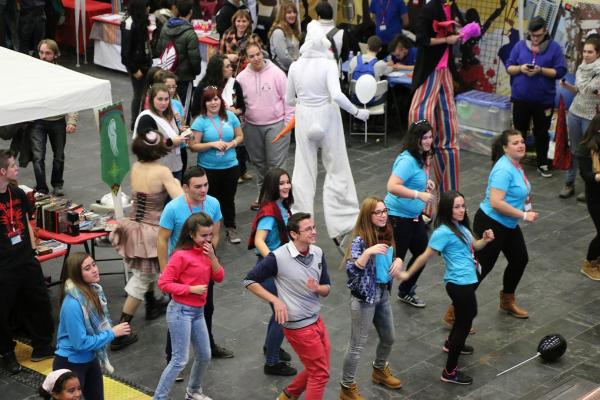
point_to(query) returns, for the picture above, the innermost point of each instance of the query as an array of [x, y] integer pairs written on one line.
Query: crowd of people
[[250, 92]]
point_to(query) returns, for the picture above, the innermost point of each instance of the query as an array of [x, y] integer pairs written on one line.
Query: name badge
[[220, 153], [14, 240], [382, 27], [528, 206]]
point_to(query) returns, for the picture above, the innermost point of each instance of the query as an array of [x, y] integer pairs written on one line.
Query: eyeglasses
[[309, 229], [379, 213]]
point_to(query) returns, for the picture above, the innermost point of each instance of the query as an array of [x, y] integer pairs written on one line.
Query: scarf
[[596, 161], [94, 323]]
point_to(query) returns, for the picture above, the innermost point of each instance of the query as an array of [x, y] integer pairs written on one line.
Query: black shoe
[[58, 191], [466, 350], [456, 377], [221, 352], [154, 307], [283, 355], [42, 353], [282, 368], [10, 364], [123, 341]]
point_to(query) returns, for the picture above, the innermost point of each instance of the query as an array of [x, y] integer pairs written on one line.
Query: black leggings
[[409, 235], [89, 374], [510, 242], [222, 184], [523, 113], [594, 248], [465, 310]]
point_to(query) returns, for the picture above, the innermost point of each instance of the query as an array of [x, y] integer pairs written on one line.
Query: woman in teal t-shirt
[[454, 240], [217, 133], [507, 200]]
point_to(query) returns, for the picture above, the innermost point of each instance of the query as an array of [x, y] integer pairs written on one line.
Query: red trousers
[[311, 343]]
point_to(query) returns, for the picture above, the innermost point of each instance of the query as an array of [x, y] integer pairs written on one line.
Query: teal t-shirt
[[511, 180], [211, 158], [177, 211], [268, 223], [460, 265], [383, 262], [414, 177]]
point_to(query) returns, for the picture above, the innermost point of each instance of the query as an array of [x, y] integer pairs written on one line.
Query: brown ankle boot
[[385, 377], [591, 269], [350, 392], [448, 319], [508, 304]]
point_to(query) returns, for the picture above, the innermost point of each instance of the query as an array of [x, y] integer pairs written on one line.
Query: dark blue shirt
[[388, 13]]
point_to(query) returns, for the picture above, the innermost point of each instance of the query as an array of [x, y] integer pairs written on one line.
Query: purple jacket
[[538, 88]]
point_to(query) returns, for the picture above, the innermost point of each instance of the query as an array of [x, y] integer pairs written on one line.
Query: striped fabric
[[434, 101]]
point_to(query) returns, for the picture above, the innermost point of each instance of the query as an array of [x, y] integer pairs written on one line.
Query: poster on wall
[[114, 155]]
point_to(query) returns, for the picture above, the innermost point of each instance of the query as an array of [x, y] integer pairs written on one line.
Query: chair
[[377, 109]]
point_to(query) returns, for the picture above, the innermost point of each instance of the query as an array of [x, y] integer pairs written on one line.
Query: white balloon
[[365, 88]]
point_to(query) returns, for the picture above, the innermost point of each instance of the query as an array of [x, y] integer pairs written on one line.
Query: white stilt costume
[[313, 87]]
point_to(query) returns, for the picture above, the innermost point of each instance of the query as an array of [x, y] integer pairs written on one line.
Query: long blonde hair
[[281, 23]]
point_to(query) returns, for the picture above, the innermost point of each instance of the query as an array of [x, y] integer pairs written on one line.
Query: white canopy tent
[[34, 89]]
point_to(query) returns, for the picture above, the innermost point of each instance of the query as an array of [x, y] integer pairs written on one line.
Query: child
[[402, 54], [61, 384], [368, 63], [186, 277], [453, 238]]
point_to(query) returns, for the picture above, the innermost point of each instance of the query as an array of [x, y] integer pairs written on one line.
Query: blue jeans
[[576, 127], [363, 315], [56, 132], [187, 326], [275, 336]]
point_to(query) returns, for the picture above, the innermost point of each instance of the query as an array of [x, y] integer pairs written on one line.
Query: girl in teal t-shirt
[[454, 240]]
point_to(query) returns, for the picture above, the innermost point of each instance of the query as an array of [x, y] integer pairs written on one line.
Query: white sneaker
[[196, 396]]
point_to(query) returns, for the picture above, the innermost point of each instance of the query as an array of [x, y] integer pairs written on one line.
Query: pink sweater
[[264, 95], [188, 268]]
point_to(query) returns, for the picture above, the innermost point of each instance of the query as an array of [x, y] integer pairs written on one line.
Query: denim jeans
[[41, 131], [187, 326], [576, 127], [275, 336], [363, 314]]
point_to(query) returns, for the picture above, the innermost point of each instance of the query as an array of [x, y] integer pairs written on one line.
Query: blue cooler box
[[483, 110]]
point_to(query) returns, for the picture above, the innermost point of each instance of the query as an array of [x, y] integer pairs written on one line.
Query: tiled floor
[[557, 296]]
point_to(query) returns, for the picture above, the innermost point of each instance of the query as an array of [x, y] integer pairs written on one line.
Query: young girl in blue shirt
[[455, 241]]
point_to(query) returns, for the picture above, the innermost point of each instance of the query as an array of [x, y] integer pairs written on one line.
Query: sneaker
[[411, 299], [255, 205], [247, 176], [282, 368], [233, 236], [221, 352], [196, 396], [466, 350], [566, 192], [456, 377], [42, 353], [544, 171], [179, 378], [581, 197], [58, 191], [10, 364], [283, 355]]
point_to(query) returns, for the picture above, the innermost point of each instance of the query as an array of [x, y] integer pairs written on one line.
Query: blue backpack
[[360, 70]]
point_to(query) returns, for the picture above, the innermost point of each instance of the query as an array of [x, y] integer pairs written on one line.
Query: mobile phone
[[530, 66]]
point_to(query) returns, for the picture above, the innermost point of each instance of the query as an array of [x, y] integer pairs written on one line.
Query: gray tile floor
[[557, 296]]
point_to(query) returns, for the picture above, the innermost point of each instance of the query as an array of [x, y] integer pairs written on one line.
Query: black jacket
[[135, 46], [198, 91], [592, 187], [429, 56], [186, 44]]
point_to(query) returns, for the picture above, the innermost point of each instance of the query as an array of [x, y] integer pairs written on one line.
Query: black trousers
[[593, 207], [138, 96], [409, 235], [242, 156], [209, 309], [506, 240], [465, 310], [523, 114], [89, 374], [222, 184], [22, 290]]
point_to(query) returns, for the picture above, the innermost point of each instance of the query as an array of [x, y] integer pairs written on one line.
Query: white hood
[[316, 44]]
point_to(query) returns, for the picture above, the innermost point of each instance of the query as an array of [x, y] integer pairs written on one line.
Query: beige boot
[[385, 377], [508, 304], [285, 396], [350, 392], [448, 319], [591, 269]]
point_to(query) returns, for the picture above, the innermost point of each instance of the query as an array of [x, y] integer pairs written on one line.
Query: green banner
[[114, 150]]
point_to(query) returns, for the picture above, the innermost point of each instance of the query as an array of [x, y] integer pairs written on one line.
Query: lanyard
[[426, 166], [10, 212], [189, 204], [471, 246], [527, 184], [219, 129], [534, 57], [383, 10]]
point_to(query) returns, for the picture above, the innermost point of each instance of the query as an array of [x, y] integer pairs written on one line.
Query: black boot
[[154, 307], [123, 341]]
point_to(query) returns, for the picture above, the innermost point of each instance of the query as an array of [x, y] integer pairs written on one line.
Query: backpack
[[168, 57], [330, 35], [362, 68]]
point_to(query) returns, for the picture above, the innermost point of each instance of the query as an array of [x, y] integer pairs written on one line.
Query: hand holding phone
[[530, 66]]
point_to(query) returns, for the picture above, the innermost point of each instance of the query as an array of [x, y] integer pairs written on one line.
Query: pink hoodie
[[264, 95]]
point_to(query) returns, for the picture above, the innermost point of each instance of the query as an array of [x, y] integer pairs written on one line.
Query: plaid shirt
[[231, 44]]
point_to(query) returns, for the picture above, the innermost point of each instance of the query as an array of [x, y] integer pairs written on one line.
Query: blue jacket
[[538, 88], [362, 282], [72, 340]]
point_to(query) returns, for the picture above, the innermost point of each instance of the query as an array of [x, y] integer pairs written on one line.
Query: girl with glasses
[[370, 266]]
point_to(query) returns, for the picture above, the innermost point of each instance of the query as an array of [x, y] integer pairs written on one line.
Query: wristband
[[525, 216], [416, 195]]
